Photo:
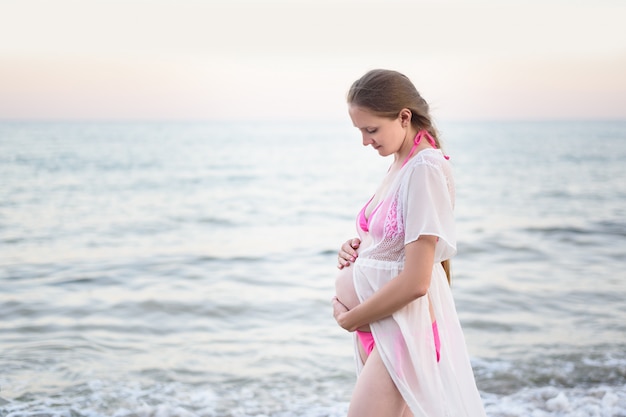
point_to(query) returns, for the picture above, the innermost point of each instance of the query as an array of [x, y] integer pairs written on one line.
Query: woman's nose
[[367, 140]]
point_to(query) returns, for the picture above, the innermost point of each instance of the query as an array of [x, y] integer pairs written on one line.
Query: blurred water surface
[[185, 269]]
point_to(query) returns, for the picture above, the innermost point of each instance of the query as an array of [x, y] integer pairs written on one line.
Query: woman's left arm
[[412, 283]]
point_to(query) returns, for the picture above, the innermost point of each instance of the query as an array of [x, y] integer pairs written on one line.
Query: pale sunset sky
[[294, 60]]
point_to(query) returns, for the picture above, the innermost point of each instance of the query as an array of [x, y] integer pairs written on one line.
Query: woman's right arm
[[347, 253], [412, 283]]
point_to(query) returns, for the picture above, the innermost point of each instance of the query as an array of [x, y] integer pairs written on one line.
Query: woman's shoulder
[[431, 164], [430, 157]]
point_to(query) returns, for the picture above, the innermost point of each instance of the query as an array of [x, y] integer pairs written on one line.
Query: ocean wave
[[601, 366], [98, 398], [598, 401], [241, 398], [610, 228]]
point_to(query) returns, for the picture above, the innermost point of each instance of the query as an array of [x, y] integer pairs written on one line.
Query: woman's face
[[384, 134]]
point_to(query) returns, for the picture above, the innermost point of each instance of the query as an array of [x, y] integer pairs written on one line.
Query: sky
[[295, 59]]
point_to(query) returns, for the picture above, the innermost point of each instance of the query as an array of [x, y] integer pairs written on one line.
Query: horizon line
[[292, 121]]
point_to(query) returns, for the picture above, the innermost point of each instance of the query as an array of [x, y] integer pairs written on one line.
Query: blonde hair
[[385, 93]]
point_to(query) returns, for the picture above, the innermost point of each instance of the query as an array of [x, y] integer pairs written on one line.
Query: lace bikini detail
[[391, 221]]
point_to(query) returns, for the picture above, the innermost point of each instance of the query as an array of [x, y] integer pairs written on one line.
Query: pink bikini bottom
[[367, 340]]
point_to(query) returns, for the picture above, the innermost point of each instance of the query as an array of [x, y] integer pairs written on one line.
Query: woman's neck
[[407, 149]]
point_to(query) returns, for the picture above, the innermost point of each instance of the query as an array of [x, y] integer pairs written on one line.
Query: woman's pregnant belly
[[344, 288], [345, 292]]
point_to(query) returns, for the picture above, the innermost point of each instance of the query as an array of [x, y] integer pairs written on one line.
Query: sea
[[160, 269]]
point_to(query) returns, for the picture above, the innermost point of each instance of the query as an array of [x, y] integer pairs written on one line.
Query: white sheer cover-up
[[419, 202]]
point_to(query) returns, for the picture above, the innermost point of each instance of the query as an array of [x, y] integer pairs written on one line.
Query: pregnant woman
[[393, 285]]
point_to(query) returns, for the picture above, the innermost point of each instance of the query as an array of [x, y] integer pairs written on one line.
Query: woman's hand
[[347, 253], [339, 311]]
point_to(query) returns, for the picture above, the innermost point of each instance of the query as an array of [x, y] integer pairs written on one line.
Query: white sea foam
[[600, 401], [177, 400]]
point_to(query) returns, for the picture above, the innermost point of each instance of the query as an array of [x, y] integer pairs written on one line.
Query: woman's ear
[[405, 117]]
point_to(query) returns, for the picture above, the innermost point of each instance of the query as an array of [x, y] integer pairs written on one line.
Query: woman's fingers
[[347, 253], [348, 249], [344, 259], [338, 310]]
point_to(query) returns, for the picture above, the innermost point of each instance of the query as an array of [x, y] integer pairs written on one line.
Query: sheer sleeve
[[428, 202]]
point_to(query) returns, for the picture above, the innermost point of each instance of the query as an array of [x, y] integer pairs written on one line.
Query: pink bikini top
[[362, 220]]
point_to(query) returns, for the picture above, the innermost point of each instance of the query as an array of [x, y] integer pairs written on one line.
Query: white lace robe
[[419, 202]]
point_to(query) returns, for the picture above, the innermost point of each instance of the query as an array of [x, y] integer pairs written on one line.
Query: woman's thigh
[[375, 394]]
